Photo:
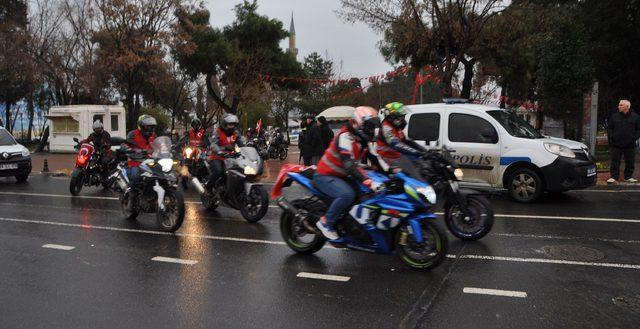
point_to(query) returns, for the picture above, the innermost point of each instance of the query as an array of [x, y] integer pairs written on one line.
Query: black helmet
[[196, 124], [229, 123], [147, 125]]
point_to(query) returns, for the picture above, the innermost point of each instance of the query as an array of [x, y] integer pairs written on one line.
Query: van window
[[465, 128], [424, 127], [114, 122]]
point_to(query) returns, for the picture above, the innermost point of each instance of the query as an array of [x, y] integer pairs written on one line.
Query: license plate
[[591, 171], [7, 166]]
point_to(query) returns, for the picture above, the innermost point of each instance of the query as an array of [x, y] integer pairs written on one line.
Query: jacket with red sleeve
[[138, 143], [342, 157]]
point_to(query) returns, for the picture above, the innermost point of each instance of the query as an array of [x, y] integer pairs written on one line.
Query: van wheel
[[524, 185]]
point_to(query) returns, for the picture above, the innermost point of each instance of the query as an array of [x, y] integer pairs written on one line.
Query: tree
[[440, 33], [233, 57], [316, 95], [131, 36]]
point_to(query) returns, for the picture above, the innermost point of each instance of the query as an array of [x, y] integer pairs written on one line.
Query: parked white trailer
[[69, 121]]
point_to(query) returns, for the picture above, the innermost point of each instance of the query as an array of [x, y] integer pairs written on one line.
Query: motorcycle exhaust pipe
[[196, 183], [287, 206]]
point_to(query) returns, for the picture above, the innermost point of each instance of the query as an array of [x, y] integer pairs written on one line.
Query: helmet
[[98, 128], [196, 124], [364, 122], [147, 124], [395, 113], [229, 122]]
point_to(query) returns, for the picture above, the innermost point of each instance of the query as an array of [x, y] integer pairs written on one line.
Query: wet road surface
[[569, 261]]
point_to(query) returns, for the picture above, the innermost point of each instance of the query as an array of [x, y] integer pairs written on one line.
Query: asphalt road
[[568, 261]]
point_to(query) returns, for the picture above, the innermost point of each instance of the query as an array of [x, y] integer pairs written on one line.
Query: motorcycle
[[260, 145], [396, 219], [467, 213], [88, 168], [278, 149], [157, 191], [237, 188], [193, 161]]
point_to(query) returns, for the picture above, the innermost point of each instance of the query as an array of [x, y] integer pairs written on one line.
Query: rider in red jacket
[[223, 144], [138, 145], [339, 164]]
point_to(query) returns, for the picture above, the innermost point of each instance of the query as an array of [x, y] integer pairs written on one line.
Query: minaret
[[292, 39]]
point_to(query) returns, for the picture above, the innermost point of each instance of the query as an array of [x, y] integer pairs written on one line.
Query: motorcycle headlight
[[166, 164], [458, 173], [248, 170], [560, 150], [428, 192], [187, 152], [25, 152]]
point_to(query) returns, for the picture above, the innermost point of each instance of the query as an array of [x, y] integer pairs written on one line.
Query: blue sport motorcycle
[[395, 219]]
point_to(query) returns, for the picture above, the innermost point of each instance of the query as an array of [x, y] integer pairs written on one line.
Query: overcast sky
[[317, 29]]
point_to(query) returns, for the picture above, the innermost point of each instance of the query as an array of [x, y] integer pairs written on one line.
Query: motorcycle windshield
[[161, 147]]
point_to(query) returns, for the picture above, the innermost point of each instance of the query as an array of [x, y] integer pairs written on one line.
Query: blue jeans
[[340, 191], [134, 175]]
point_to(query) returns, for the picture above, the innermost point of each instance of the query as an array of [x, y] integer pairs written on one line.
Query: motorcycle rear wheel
[[283, 154], [170, 219], [255, 205], [421, 256], [481, 218], [75, 185], [295, 233]]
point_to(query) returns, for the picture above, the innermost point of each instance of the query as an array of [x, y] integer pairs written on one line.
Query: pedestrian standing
[[622, 133], [326, 134], [315, 142]]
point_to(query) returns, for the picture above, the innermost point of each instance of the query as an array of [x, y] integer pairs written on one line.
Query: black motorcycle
[[157, 191], [278, 148], [468, 214], [237, 188], [89, 169]]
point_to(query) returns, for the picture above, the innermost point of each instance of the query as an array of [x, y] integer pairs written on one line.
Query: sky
[[318, 29]]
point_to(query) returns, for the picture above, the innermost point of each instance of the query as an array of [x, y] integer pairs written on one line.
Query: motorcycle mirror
[[75, 140]]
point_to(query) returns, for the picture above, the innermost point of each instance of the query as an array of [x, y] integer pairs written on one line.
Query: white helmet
[[97, 125]]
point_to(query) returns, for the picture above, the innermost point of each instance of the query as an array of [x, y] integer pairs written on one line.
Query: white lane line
[[494, 292], [84, 197], [546, 261], [58, 247], [327, 277], [560, 237], [281, 243], [174, 260]]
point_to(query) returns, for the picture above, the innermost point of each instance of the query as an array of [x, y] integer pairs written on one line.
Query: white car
[[15, 159], [496, 147]]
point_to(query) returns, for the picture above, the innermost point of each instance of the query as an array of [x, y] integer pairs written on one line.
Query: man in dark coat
[[623, 131], [326, 134]]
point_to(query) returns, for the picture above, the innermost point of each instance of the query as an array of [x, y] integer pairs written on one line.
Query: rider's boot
[[327, 230]]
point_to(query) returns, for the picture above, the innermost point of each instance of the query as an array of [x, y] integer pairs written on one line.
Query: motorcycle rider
[[101, 140], [339, 164], [138, 146], [392, 145], [223, 143]]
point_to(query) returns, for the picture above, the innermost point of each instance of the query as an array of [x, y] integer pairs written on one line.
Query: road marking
[[545, 261], [494, 292], [174, 260], [559, 237], [84, 197], [281, 243], [319, 276], [58, 247]]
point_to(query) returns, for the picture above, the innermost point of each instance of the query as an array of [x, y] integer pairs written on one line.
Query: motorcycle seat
[[308, 172]]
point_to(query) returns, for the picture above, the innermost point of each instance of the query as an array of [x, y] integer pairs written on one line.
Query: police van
[[496, 148]]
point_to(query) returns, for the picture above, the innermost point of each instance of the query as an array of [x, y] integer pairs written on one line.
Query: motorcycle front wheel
[[471, 226], [170, 219], [296, 233], [255, 205], [77, 178], [423, 255]]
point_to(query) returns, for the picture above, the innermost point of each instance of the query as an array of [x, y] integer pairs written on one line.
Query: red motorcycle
[[88, 169]]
